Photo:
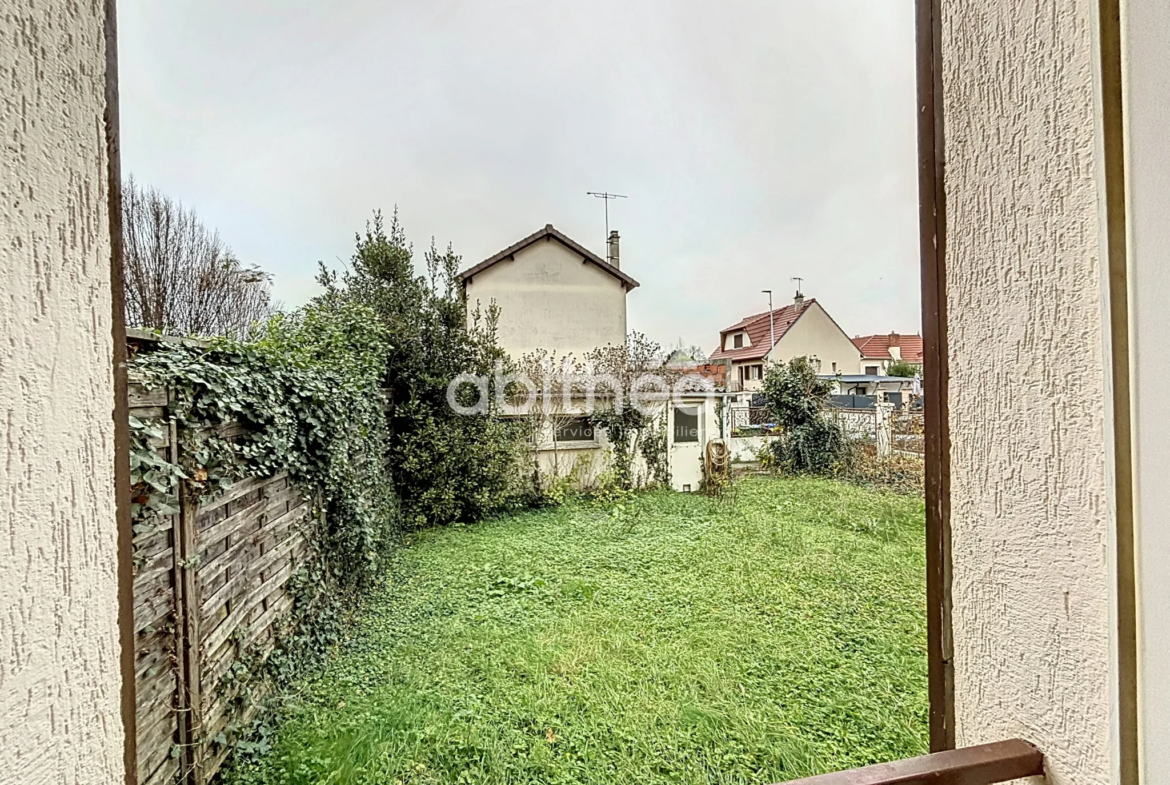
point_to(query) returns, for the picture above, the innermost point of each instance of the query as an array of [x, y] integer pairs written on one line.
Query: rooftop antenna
[[799, 281], [606, 195]]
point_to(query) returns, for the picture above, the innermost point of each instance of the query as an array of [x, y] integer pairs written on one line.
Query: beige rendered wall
[[1031, 503], [60, 720], [1146, 41], [814, 333], [550, 299]]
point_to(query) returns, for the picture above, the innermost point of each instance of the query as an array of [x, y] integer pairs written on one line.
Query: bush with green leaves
[[446, 467], [904, 369], [310, 404], [796, 398]]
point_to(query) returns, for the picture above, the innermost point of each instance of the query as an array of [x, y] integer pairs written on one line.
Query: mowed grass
[[775, 634]]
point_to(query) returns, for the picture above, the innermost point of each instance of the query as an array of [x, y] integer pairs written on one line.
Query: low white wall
[[60, 682], [585, 464], [857, 423], [746, 449]]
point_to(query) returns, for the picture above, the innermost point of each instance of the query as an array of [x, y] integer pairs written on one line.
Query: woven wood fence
[[211, 591], [909, 431]]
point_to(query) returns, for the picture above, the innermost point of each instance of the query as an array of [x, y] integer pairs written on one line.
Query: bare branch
[[180, 276]]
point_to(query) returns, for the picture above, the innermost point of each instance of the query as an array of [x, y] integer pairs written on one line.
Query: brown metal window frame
[[932, 224], [932, 249], [120, 408], [988, 763]]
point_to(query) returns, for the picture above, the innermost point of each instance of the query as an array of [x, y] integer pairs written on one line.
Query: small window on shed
[[737, 341], [871, 370], [686, 424], [578, 429]]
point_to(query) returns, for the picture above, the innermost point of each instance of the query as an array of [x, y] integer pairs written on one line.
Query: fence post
[[187, 647], [883, 421]]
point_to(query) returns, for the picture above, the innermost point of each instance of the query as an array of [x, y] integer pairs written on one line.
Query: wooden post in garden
[[883, 421], [190, 701]]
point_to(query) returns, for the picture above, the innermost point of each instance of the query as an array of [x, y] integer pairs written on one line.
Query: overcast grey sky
[[757, 141]]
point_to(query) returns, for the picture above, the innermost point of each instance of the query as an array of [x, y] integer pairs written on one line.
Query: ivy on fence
[[313, 413]]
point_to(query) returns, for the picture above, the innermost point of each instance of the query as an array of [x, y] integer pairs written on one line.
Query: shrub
[[796, 399], [899, 472], [903, 368], [445, 467]]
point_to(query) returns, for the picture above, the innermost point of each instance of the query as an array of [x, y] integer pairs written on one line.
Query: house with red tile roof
[[878, 351], [802, 329]]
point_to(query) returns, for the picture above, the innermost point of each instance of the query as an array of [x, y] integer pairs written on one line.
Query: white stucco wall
[[1031, 509], [60, 682], [814, 333], [550, 299], [727, 342], [1146, 39]]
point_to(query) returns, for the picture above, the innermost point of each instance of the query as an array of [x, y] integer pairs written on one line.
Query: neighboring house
[[553, 294], [1046, 606], [802, 329], [878, 351]]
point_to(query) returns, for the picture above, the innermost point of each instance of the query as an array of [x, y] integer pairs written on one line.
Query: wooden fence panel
[[155, 673], [251, 540], [211, 592], [909, 431]]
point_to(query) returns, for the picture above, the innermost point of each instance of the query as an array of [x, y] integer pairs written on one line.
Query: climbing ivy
[[654, 450], [154, 481], [315, 412]]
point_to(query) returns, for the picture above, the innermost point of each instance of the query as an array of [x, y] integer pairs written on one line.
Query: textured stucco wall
[[1147, 113], [1031, 508], [550, 299], [60, 720]]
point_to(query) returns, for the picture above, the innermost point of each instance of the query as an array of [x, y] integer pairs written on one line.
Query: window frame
[[674, 425], [586, 427], [935, 376]]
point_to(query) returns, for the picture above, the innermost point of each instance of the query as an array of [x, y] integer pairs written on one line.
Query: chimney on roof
[[612, 254], [798, 301], [895, 339]]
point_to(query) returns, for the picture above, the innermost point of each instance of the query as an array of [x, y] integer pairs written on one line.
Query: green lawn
[[775, 634]]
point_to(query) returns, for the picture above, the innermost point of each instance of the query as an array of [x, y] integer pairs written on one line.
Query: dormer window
[[737, 341]]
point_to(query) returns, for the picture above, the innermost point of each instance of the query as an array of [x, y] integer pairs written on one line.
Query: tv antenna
[[607, 196], [799, 281]]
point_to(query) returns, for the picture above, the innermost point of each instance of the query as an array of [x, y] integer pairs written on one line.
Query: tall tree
[[180, 276], [445, 467]]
